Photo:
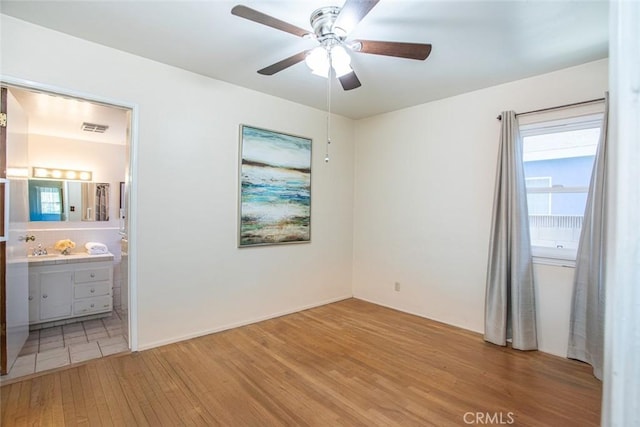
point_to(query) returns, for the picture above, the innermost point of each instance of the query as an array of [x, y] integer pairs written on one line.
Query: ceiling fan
[[331, 27]]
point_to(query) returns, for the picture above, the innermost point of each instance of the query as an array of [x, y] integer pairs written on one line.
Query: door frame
[[132, 178], [3, 221]]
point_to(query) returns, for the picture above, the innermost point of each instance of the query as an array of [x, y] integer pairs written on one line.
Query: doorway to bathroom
[[68, 190]]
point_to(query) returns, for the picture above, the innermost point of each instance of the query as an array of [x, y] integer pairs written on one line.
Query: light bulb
[[340, 60], [40, 173], [318, 60]]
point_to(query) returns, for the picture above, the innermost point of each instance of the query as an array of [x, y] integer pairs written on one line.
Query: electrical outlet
[[396, 286]]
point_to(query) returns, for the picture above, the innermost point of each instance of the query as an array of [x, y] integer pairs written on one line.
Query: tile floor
[[59, 346]]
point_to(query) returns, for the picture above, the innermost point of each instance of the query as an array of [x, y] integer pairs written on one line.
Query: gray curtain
[[586, 329], [510, 310], [102, 202]]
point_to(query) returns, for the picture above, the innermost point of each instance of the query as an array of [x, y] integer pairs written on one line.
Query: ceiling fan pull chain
[[330, 77]]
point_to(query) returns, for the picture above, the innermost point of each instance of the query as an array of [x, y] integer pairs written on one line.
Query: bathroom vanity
[[64, 287]]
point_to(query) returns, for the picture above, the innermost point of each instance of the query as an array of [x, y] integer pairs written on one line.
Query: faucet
[[27, 238], [39, 250]]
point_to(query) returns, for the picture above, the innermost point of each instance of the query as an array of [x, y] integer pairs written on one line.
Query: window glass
[[539, 203], [558, 159]]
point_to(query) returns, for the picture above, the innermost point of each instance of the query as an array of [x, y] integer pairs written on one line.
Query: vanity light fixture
[[55, 173]]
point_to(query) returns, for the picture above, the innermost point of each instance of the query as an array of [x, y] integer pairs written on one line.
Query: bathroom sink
[[43, 256], [54, 255]]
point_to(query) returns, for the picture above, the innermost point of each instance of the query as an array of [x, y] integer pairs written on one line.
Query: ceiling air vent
[[92, 127]]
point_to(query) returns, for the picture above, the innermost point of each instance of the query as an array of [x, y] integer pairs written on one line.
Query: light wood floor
[[345, 364]]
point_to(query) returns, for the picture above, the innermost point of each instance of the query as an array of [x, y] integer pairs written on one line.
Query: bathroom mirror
[[51, 200]]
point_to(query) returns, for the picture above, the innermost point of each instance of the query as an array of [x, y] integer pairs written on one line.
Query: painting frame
[[274, 187]]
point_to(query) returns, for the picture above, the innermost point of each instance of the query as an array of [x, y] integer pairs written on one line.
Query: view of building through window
[[558, 161]]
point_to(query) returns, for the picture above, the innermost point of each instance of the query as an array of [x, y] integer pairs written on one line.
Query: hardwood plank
[[91, 381], [350, 363], [157, 410], [94, 404], [10, 404], [49, 391], [68, 398], [178, 365], [123, 379], [22, 412], [172, 389], [109, 389]]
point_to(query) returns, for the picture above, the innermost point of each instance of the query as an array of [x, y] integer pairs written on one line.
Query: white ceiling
[[61, 117], [476, 44]]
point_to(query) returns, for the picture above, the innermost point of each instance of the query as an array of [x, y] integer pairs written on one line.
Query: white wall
[[191, 278], [424, 180]]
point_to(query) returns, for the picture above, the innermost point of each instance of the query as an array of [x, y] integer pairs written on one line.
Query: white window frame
[[541, 254]]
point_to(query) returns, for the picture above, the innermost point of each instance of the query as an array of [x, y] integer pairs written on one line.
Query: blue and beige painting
[[275, 188]]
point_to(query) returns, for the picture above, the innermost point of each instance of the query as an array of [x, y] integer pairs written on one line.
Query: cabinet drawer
[[92, 290], [93, 275], [92, 305]]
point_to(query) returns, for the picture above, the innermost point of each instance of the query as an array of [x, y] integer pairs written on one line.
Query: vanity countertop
[[73, 258]]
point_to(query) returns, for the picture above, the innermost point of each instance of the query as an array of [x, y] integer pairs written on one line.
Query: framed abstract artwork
[[275, 188]]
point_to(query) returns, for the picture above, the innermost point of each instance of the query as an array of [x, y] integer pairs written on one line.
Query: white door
[[15, 221]]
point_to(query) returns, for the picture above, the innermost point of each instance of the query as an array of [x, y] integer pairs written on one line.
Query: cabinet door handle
[[93, 305], [92, 275], [30, 298], [45, 296], [93, 290], [106, 305]]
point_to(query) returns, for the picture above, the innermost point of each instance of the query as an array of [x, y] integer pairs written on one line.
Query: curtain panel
[[510, 311], [102, 202], [586, 328]]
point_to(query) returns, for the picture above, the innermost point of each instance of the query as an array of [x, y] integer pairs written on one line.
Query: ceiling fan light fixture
[[318, 61]]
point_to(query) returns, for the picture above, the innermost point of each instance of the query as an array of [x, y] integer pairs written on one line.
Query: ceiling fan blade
[[350, 81], [261, 18], [418, 51], [352, 12], [281, 65]]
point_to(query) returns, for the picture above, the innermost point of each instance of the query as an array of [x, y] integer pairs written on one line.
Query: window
[[558, 160]]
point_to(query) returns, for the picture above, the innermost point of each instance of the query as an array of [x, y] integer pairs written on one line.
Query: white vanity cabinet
[[72, 287]]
